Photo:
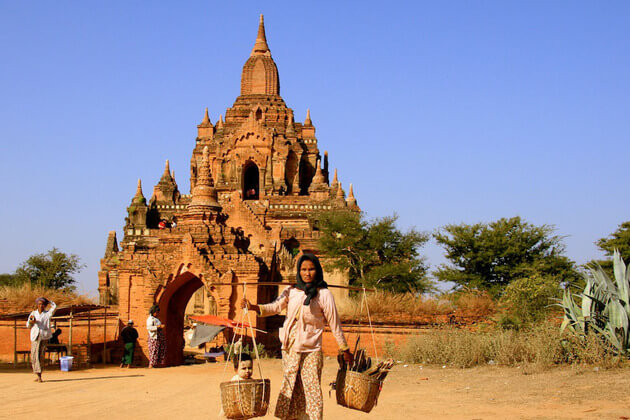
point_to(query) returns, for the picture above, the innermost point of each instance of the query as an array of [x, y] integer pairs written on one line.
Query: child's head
[[244, 367]]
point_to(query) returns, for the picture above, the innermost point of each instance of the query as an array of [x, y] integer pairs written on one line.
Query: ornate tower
[[256, 181]]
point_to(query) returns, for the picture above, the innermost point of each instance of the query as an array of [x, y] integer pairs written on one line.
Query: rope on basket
[[367, 308], [241, 327]]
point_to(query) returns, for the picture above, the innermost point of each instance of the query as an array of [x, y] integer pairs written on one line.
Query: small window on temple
[[258, 114]]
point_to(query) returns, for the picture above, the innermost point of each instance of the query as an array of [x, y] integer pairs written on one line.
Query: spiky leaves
[[605, 305]]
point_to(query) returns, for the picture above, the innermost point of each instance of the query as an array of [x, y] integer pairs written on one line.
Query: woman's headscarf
[[318, 282], [41, 299], [154, 309]]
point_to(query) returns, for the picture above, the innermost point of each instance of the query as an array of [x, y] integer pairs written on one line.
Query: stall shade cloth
[[205, 333], [217, 320]]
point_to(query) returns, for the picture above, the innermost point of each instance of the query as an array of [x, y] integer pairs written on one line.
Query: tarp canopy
[[204, 334], [217, 320]]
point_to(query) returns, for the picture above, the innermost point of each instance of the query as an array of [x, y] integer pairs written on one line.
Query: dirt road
[[412, 392]]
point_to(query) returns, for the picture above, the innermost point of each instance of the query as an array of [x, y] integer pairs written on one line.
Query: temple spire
[[139, 195], [351, 200], [204, 195], [166, 176], [340, 194], [307, 121], [220, 123], [206, 119], [261, 47]]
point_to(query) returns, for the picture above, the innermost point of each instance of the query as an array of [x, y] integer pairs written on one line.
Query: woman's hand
[[247, 304], [348, 357]]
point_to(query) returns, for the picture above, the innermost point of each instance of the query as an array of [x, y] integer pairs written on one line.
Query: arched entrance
[[172, 312], [251, 181], [306, 175]]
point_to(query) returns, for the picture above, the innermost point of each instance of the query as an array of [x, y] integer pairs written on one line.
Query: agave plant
[[605, 306]]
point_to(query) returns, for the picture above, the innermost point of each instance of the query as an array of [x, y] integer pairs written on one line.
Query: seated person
[[55, 335]]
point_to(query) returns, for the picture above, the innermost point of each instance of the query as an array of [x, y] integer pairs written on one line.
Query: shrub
[[527, 300], [540, 347]]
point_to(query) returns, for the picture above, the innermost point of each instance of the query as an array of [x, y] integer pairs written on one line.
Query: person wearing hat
[[128, 335], [39, 323], [157, 341]]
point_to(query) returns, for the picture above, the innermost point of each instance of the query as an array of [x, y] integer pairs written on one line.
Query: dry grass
[[473, 303], [22, 298], [538, 348], [388, 306]]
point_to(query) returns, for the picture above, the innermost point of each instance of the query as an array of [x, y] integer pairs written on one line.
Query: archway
[[251, 181], [172, 309], [306, 175]]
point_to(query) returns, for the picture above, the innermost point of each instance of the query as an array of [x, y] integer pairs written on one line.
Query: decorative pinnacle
[[261, 47], [340, 193], [139, 189], [308, 121], [335, 180], [319, 176], [206, 119], [166, 176], [351, 201], [220, 123], [139, 197]]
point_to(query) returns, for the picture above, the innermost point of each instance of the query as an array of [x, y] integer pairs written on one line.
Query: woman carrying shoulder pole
[[309, 305]]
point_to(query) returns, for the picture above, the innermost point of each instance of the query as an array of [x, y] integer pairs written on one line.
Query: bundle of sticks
[[363, 364]]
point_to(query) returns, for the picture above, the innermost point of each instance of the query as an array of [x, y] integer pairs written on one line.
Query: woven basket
[[357, 390], [245, 399]]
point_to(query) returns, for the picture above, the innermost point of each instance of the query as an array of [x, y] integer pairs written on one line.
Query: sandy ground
[[412, 392]]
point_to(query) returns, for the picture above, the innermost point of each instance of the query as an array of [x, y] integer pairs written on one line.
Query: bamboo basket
[[357, 390], [245, 399]]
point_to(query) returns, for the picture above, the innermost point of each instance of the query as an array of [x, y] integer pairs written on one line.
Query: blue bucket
[[66, 363]]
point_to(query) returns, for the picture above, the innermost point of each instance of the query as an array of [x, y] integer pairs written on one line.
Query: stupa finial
[[261, 47]]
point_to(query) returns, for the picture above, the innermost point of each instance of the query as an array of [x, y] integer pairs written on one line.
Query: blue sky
[[443, 112]]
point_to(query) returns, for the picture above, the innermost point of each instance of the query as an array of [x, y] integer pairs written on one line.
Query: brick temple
[[257, 178]]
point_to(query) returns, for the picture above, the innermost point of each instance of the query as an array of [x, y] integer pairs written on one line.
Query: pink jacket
[[310, 325]]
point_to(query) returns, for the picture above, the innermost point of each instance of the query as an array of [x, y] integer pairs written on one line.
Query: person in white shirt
[[157, 341], [39, 323]]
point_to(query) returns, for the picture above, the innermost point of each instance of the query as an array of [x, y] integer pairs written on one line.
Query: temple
[[257, 178]]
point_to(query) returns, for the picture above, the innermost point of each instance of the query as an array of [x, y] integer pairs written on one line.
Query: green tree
[[620, 240], [54, 269], [489, 256], [7, 279], [375, 253]]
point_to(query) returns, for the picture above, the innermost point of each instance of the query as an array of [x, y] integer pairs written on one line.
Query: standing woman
[[157, 342], [39, 323], [309, 306]]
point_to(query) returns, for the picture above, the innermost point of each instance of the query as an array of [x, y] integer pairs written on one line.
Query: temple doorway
[[251, 181], [173, 304]]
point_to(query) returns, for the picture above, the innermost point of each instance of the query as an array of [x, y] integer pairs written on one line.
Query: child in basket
[[243, 368]]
